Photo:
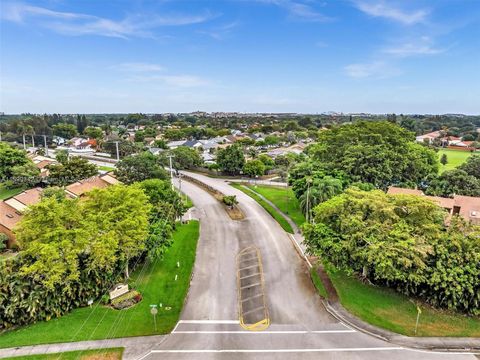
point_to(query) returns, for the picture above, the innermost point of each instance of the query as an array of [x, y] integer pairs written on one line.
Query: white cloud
[[76, 24], [184, 80], [389, 11], [139, 67], [375, 69], [220, 32], [423, 46], [299, 10]]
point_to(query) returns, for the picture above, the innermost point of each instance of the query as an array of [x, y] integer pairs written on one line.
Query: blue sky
[[305, 56]]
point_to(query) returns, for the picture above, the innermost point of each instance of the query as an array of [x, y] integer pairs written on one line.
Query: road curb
[[464, 345]]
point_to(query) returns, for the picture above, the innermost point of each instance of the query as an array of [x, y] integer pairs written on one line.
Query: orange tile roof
[[83, 186], [469, 207], [9, 217], [392, 190], [29, 197]]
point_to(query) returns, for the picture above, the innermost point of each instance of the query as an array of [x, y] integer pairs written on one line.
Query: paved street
[[300, 326]]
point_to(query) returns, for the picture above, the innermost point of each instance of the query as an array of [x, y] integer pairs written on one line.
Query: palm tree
[[319, 191]]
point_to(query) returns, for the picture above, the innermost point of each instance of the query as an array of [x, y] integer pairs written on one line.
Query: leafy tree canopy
[[140, 167], [231, 159]]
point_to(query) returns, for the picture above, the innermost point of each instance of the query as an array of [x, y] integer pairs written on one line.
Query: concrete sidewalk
[[135, 347]]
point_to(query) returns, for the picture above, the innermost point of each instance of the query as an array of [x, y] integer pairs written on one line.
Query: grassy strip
[[393, 311], [318, 283], [106, 168], [454, 158], [108, 354], [284, 199], [279, 218], [6, 193], [156, 284]]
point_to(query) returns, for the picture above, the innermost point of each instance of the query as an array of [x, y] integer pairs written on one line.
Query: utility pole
[[118, 153], [45, 143], [24, 145], [170, 156]]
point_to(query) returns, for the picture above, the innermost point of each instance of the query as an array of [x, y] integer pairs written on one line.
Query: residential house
[[175, 144], [12, 209], [468, 207], [41, 162], [80, 188]]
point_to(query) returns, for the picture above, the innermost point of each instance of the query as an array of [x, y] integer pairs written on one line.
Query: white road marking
[[263, 332], [209, 322], [301, 250], [278, 350]]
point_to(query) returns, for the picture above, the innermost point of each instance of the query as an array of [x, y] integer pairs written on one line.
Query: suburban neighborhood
[[257, 179]]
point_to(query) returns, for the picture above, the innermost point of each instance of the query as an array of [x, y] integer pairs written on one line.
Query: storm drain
[[253, 312]]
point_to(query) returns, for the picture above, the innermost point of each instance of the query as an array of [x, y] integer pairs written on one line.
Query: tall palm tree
[[319, 191]]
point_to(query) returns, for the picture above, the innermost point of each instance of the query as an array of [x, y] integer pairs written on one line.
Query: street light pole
[[45, 142], [170, 156]]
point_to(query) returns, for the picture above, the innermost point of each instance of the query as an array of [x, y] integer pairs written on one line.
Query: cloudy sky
[[305, 56]]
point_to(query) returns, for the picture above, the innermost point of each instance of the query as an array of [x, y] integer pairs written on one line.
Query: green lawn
[[106, 168], [275, 214], [454, 158], [390, 310], [109, 354], [6, 193], [318, 283], [284, 199], [156, 282]]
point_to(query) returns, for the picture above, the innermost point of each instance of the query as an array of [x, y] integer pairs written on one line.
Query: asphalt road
[[300, 326]]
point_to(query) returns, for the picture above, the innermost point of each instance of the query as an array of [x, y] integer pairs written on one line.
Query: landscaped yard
[[275, 214], [387, 309], [97, 354], [156, 282], [284, 199], [454, 158], [6, 193]]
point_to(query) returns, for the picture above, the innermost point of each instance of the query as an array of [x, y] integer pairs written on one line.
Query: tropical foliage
[[74, 250], [400, 241]]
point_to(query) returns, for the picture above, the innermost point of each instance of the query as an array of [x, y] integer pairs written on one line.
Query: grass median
[[274, 213], [390, 310], [156, 282], [284, 199]]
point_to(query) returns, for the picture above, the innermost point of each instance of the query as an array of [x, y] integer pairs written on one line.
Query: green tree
[[452, 182], [254, 168], [9, 158], [75, 169], [66, 131], [61, 156], [444, 159], [140, 167], [231, 159], [380, 153], [386, 238], [320, 190], [472, 166], [93, 132], [118, 215], [183, 158], [26, 175], [160, 192], [267, 161]]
